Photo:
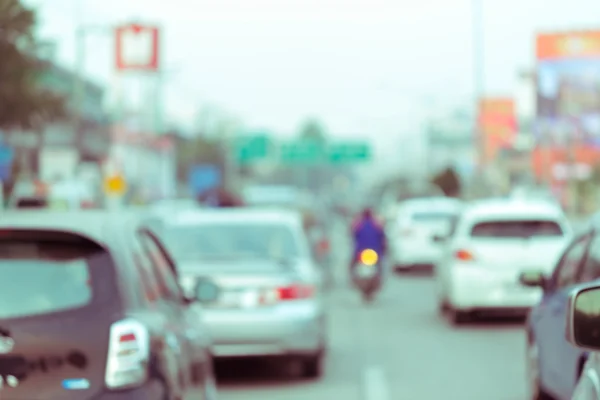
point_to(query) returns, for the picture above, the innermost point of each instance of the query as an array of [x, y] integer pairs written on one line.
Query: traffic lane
[[259, 379], [412, 353]]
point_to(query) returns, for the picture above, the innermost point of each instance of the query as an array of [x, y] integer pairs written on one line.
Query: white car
[[411, 234], [492, 243]]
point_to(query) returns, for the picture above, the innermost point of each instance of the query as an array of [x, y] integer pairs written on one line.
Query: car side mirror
[[533, 279], [440, 238], [583, 318], [205, 291]]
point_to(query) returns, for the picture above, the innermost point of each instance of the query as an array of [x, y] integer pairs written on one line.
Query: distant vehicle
[[490, 245], [30, 202], [554, 364], [583, 318], [275, 195], [269, 301], [367, 273], [65, 195], [534, 194], [28, 195], [411, 231], [177, 204], [91, 304]]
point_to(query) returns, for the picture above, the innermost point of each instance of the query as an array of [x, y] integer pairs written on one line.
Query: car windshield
[[517, 229], [430, 216], [218, 241]]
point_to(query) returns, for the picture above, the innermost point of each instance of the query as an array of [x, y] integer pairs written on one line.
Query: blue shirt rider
[[368, 233]]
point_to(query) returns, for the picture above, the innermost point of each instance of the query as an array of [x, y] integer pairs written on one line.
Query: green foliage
[[198, 150], [312, 129], [24, 102], [595, 173], [448, 182]]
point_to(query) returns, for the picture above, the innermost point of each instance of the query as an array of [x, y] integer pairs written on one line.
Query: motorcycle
[[367, 274]]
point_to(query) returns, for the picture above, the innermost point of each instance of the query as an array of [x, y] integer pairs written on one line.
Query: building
[[57, 150], [451, 144]]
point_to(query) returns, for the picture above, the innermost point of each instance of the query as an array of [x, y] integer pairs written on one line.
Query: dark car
[[554, 364], [90, 308], [31, 202]]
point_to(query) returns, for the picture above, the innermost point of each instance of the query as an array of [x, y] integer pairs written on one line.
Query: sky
[[367, 68]]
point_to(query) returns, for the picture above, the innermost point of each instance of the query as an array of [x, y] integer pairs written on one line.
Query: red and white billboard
[[137, 47]]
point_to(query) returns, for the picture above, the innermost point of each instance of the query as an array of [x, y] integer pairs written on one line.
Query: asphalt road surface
[[397, 348]]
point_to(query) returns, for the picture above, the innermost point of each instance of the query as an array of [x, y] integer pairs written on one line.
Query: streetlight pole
[[478, 74]]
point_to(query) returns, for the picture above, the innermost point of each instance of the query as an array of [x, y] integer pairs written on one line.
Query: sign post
[[137, 55], [203, 179], [251, 148], [302, 152], [349, 153], [115, 188]]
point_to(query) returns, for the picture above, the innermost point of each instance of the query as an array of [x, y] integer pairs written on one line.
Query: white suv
[[493, 243]]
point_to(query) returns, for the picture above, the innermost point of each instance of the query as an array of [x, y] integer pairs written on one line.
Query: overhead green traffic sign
[[349, 152], [251, 148], [302, 152]]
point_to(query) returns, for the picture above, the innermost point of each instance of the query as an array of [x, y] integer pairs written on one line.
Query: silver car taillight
[[286, 293], [128, 354]]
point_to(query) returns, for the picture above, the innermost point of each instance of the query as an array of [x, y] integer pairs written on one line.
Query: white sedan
[[492, 244], [411, 233]]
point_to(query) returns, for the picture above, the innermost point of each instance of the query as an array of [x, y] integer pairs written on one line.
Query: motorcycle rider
[[368, 233]]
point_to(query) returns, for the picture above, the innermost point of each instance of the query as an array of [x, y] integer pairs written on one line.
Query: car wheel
[[209, 389], [313, 367], [458, 317], [443, 307], [534, 383]]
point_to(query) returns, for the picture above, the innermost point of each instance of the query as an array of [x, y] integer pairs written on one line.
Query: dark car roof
[[98, 225]]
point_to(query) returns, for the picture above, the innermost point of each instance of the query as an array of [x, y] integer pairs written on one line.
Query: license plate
[[364, 271], [10, 365], [242, 298]]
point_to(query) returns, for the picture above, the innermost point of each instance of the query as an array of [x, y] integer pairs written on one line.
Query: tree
[[198, 150], [314, 176], [448, 182], [312, 129], [24, 101]]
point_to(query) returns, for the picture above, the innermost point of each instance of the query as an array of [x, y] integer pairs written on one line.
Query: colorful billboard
[[498, 126], [568, 88]]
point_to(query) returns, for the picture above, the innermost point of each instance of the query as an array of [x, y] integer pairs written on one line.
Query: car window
[[590, 269], [232, 240], [568, 267], [41, 276], [143, 264], [516, 229], [432, 216], [167, 282]]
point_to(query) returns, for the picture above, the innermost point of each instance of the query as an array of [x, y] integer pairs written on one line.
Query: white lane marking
[[375, 384]]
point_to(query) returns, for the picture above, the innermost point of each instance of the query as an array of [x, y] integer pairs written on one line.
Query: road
[[398, 348]]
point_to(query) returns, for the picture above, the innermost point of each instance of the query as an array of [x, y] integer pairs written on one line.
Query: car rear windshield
[[42, 273], [517, 229], [232, 241], [431, 216]]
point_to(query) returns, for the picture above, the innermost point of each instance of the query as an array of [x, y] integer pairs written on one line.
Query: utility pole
[[79, 84], [572, 169], [478, 75]]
